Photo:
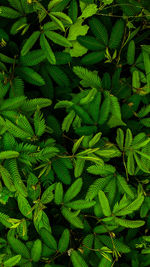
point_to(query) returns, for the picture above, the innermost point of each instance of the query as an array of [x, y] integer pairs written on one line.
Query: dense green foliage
[[74, 133]]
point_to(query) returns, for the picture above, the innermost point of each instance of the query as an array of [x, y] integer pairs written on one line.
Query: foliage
[[74, 133]]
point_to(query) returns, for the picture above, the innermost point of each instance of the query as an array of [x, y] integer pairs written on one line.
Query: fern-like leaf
[[89, 78], [99, 30], [33, 58], [31, 105], [72, 218], [61, 171], [129, 223], [19, 185], [13, 103], [94, 188], [39, 123]]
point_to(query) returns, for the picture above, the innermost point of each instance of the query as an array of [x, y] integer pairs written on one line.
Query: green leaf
[[16, 4], [135, 205], [107, 2], [87, 152], [12, 103], [24, 207], [58, 194], [6, 59], [79, 166], [103, 170], [89, 97], [128, 223], [146, 58], [19, 25], [77, 145], [77, 259], [82, 114], [48, 195], [62, 16], [18, 246], [138, 138], [89, 78], [89, 11], [7, 12], [72, 218], [80, 204], [116, 34], [101, 229], [62, 58], [94, 188], [93, 158], [131, 53], [77, 29], [30, 76], [12, 261], [73, 190], [104, 203], [48, 238], [104, 110], [16, 131], [128, 139], [122, 182], [136, 80], [77, 50], [62, 172], [63, 104], [73, 10], [109, 153], [120, 138], [33, 58], [68, 120], [87, 243], [61, 6], [64, 241], [30, 42], [47, 49], [19, 185], [145, 251], [7, 179], [143, 154], [33, 104], [57, 22], [146, 238], [4, 219], [53, 3], [117, 244], [36, 250], [142, 144], [95, 139], [145, 122], [41, 220], [115, 121], [141, 164], [58, 39], [90, 42], [99, 30], [58, 75], [8, 155], [105, 261], [83, 130], [124, 202], [24, 124], [131, 163], [93, 58], [39, 123], [115, 107]]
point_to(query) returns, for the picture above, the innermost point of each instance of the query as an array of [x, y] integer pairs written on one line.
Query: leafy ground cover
[[74, 133]]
